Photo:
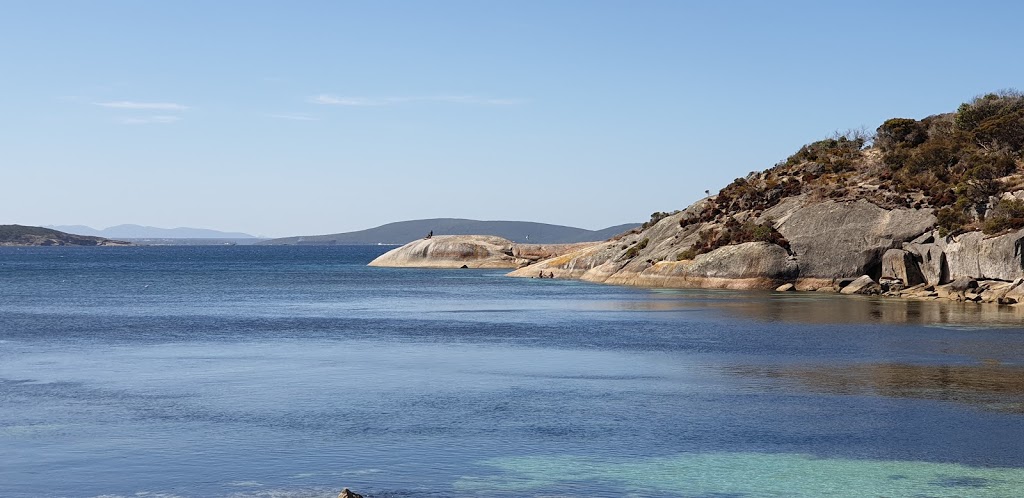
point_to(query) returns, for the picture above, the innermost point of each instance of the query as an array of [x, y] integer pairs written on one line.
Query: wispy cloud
[[327, 99], [149, 120], [294, 117], [473, 99], [146, 106], [337, 100]]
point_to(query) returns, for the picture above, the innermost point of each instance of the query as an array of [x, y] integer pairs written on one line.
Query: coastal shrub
[[636, 248], [994, 120], [1007, 214], [686, 254], [951, 220], [956, 160], [900, 132], [953, 163], [734, 232], [655, 218], [837, 154], [755, 194]]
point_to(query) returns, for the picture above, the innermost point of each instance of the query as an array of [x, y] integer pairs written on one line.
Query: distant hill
[[18, 235], [406, 231], [145, 232]]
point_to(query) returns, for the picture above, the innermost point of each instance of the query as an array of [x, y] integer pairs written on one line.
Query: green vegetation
[[957, 164], [686, 254], [37, 236], [636, 248], [11, 232], [733, 232], [655, 218], [835, 155], [1005, 215]]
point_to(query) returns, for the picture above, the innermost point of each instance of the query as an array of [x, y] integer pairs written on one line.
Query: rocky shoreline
[[923, 266], [924, 209], [962, 290]]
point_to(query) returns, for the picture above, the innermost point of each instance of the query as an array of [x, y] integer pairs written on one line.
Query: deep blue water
[[295, 371]]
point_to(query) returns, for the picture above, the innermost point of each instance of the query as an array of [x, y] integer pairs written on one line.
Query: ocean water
[[296, 371]]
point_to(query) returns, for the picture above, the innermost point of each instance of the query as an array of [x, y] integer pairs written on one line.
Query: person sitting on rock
[[429, 235]]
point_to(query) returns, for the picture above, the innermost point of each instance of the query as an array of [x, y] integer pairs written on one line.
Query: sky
[[299, 118]]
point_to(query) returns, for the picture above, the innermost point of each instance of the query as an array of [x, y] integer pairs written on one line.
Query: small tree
[[900, 132]]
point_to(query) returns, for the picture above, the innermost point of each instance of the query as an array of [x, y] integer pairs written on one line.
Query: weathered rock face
[[753, 265], [537, 252], [835, 240], [594, 260], [902, 265], [973, 255], [451, 251], [931, 261], [830, 240], [471, 251]]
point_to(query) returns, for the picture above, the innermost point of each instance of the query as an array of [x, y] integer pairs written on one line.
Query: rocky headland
[[18, 235], [930, 209], [471, 251]]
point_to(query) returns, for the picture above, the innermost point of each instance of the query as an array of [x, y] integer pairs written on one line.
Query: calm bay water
[[295, 371]]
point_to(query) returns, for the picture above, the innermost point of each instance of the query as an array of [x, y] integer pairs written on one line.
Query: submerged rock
[[345, 493]]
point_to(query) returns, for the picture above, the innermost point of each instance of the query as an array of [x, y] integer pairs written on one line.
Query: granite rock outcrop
[[471, 251]]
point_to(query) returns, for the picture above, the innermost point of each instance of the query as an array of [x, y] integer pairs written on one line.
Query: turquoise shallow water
[[295, 371], [749, 474]]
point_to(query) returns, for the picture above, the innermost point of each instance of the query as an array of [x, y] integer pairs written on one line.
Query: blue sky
[[288, 118]]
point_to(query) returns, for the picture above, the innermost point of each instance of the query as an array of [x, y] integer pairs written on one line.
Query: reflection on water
[[992, 387], [826, 308], [748, 475]]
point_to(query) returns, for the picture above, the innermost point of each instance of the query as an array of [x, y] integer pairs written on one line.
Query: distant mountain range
[[403, 232], [144, 232]]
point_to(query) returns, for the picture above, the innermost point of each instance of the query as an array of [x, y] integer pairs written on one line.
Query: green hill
[[19, 235], [406, 231]]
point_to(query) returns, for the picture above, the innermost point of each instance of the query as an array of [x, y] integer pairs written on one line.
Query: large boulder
[[974, 255], [847, 239], [451, 251], [752, 265], [1015, 294], [931, 260], [902, 265], [862, 285]]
